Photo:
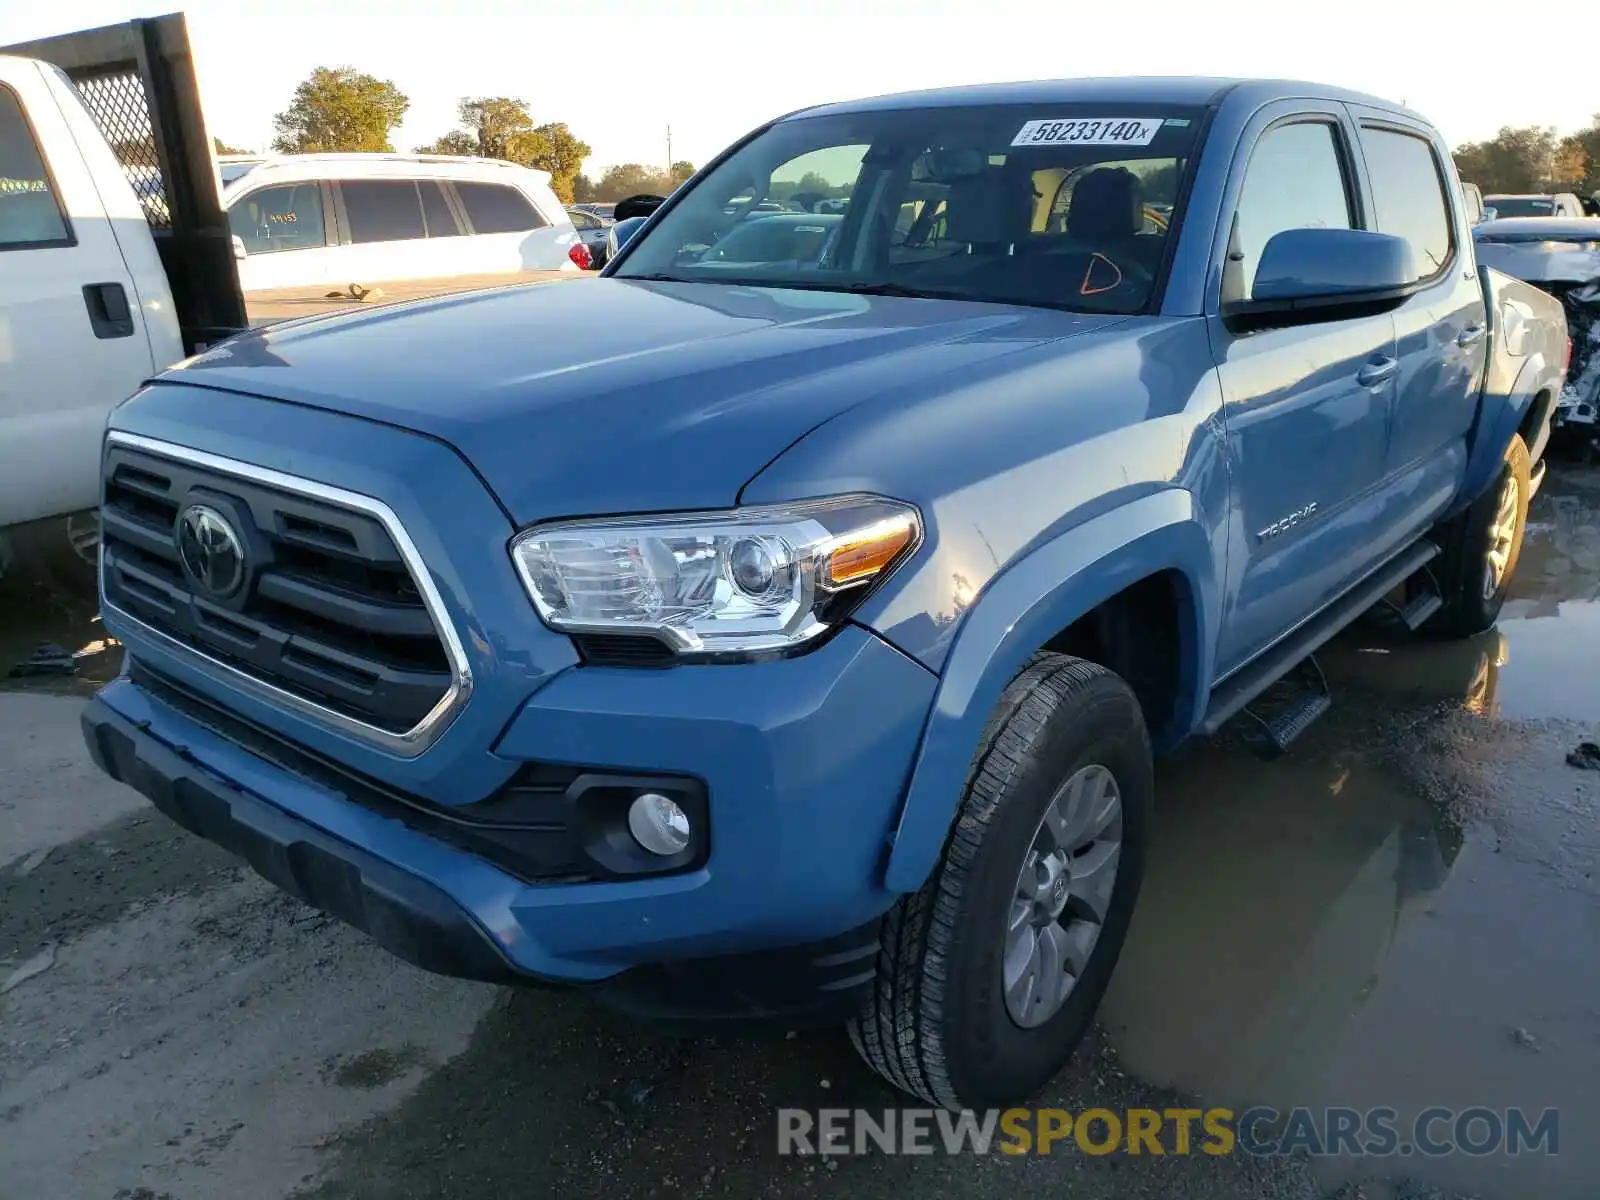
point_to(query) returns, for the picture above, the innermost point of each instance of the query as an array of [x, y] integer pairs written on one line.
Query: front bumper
[[805, 762]]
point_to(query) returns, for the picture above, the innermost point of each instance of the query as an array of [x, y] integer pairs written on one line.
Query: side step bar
[[1245, 684]]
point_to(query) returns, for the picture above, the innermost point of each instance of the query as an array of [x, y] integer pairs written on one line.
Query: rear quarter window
[[1408, 194], [497, 208]]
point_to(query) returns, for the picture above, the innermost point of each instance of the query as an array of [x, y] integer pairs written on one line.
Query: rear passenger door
[[1306, 408], [1442, 329], [396, 229]]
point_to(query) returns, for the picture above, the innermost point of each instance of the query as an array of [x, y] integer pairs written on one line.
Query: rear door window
[[496, 208], [287, 217], [1408, 195], [30, 217], [383, 210], [1296, 180]]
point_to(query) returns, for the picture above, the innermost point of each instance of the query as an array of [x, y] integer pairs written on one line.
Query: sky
[[619, 72]]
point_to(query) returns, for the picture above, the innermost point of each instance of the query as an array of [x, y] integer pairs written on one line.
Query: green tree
[[1514, 160], [502, 127], [340, 108], [632, 179], [456, 142], [1587, 141], [222, 147], [552, 147]]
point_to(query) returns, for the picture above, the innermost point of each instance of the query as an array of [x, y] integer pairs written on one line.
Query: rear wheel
[[989, 975], [1480, 548]]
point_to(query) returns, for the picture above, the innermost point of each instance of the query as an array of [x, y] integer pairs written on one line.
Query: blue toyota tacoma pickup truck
[[790, 632]]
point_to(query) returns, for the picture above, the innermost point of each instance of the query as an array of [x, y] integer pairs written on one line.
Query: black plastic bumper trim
[[404, 914]]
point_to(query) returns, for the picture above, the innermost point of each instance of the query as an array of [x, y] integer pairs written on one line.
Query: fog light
[[658, 824]]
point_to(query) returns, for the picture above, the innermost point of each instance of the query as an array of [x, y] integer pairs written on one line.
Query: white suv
[[315, 219]]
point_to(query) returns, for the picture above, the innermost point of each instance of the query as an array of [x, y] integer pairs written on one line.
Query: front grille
[[328, 611]]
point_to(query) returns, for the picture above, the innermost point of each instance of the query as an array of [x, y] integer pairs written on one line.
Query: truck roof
[[1181, 90], [363, 165]]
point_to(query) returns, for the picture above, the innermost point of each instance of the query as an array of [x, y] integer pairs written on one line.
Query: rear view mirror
[[1308, 275]]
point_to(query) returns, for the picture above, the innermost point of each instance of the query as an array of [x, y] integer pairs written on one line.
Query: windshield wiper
[[657, 277]]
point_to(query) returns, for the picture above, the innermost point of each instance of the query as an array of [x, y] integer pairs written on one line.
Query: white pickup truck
[[102, 284]]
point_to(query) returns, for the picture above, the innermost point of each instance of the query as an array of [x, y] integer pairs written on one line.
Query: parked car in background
[[799, 238], [600, 210], [1561, 258], [233, 167], [337, 219], [619, 232], [592, 232], [1556, 204]]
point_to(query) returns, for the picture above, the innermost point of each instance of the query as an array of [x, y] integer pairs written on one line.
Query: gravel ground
[[1401, 912]]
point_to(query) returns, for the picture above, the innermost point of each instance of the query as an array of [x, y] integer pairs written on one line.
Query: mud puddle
[[1402, 912]]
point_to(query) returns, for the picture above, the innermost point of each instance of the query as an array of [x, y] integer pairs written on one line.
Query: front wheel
[[1480, 548], [989, 975]]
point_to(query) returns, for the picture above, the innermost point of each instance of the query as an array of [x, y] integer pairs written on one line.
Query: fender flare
[[1022, 608], [1500, 418]]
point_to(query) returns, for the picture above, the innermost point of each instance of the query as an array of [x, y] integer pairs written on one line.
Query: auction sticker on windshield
[[1089, 131]]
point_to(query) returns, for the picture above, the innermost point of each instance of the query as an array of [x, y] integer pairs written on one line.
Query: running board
[[1245, 684]]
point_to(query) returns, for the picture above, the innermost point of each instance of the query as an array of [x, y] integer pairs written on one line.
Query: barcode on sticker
[[1089, 131]]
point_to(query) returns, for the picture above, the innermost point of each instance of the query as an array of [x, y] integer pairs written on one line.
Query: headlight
[[749, 579]]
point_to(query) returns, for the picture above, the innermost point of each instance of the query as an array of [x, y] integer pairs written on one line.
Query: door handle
[[1471, 335], [109, 314], [1381, 371]]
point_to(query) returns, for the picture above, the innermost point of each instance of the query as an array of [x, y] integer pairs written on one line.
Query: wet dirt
[[1401, 912]]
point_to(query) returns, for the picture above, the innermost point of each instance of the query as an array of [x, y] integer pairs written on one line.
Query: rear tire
[[1480, 549], [954, 967]]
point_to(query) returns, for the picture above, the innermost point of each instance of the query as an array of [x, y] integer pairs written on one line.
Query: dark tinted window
[[1408, 195], [1295, 180], [29, 215], [279, 218], [495, 208], [1522, 206], [441, 221], [382, 210]]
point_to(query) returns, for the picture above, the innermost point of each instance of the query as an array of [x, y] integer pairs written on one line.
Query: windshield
[[1522, 206], [1058, 206], [233, 172]]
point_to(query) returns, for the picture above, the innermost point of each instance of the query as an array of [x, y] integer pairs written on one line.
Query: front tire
[[1480, 549], [989, 975]]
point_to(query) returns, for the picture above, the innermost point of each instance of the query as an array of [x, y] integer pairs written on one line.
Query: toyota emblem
[[210, 548]]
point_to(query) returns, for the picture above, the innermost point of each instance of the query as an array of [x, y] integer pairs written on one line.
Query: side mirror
[[1309, 275], [239, 251]]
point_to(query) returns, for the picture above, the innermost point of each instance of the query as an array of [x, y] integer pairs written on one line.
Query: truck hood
[[609, 396]]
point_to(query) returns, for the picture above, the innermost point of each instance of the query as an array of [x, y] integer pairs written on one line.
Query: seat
[[1107, 208], [993, 210]]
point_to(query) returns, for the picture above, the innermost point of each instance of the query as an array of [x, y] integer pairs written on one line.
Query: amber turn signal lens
[[863, 555]]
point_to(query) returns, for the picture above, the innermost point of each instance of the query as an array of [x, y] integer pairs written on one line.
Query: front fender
[[1026, 605]]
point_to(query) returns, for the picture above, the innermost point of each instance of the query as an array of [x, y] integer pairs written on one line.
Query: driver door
[[1306, 408]]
